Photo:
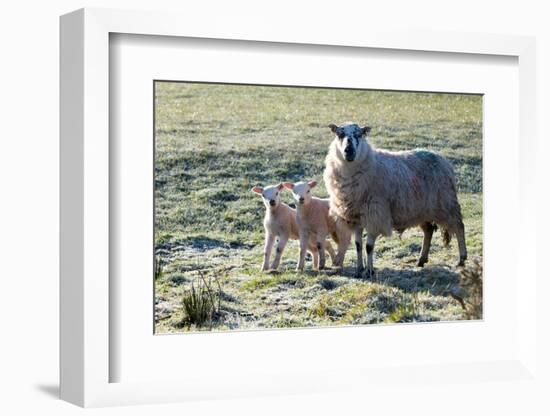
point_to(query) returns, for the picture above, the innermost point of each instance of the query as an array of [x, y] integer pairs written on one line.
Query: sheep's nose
[[301, 200], [349, 153], [271, 202]]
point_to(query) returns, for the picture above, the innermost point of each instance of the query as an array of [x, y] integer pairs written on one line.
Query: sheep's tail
[[446, 237]]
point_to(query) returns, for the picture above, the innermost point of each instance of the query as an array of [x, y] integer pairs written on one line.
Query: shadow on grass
[[439, 281], [202, 242]]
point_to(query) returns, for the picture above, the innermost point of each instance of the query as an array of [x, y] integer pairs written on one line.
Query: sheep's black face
[[349, 152], [348, 139]]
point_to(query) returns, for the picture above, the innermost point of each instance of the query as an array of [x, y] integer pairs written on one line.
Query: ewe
[[279, 222], [380, 191], [315, 223]]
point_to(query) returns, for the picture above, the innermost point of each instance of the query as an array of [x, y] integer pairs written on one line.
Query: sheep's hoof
[[369, 273], [461, 261], [422, 262], [359, 273]]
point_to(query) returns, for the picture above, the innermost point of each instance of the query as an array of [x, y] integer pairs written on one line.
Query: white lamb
[[279, 222], [314, 222]]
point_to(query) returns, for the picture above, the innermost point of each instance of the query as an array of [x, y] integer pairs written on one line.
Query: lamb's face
[[301, 191], [348, 140], [271, 195]]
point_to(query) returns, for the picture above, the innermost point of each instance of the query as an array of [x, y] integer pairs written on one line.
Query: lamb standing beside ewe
[[314, 222], [279, 222], [381, 191]]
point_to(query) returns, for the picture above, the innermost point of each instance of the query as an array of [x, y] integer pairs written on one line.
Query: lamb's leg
[[303, 246], [343, 243], [315, 254], [321, 238], [281, 244], [461, 244], [269, 240], [312, 248], [359, 248], [428, 229], [371, 238], [331, 251]]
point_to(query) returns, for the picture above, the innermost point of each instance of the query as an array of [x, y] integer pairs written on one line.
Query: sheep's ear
[[280, 186], [257, 190], [333, 127], [312, 184], [365, 131], [288, 185]]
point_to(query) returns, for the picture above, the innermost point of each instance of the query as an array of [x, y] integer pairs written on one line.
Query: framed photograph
[[277, 212], [244, 171]]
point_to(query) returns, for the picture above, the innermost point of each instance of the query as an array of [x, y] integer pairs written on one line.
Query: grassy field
[[214, 142]]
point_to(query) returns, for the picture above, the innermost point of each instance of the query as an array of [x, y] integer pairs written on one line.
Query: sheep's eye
[[341, 136], [276, 193], [308, 191]]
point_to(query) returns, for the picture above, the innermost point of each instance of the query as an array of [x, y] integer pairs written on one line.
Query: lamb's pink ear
[[312, 184], [288, 185], [280, 186], [257, 190]]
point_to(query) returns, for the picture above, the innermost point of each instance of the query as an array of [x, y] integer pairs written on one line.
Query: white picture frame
[[85, 217]]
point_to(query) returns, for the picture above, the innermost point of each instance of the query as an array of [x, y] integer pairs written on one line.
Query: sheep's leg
[[359, 248], [269, 240], [371, 238], [461, 244], [281, 244], [304, 236], [428, 229], [343, 244]]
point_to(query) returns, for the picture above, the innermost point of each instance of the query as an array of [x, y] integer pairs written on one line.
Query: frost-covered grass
[[214, 142]]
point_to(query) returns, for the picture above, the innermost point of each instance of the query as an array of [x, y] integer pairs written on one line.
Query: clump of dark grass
[[158, 267], [320, 309], [405, 311], [201, 303], [471, 290], [328, 284]]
